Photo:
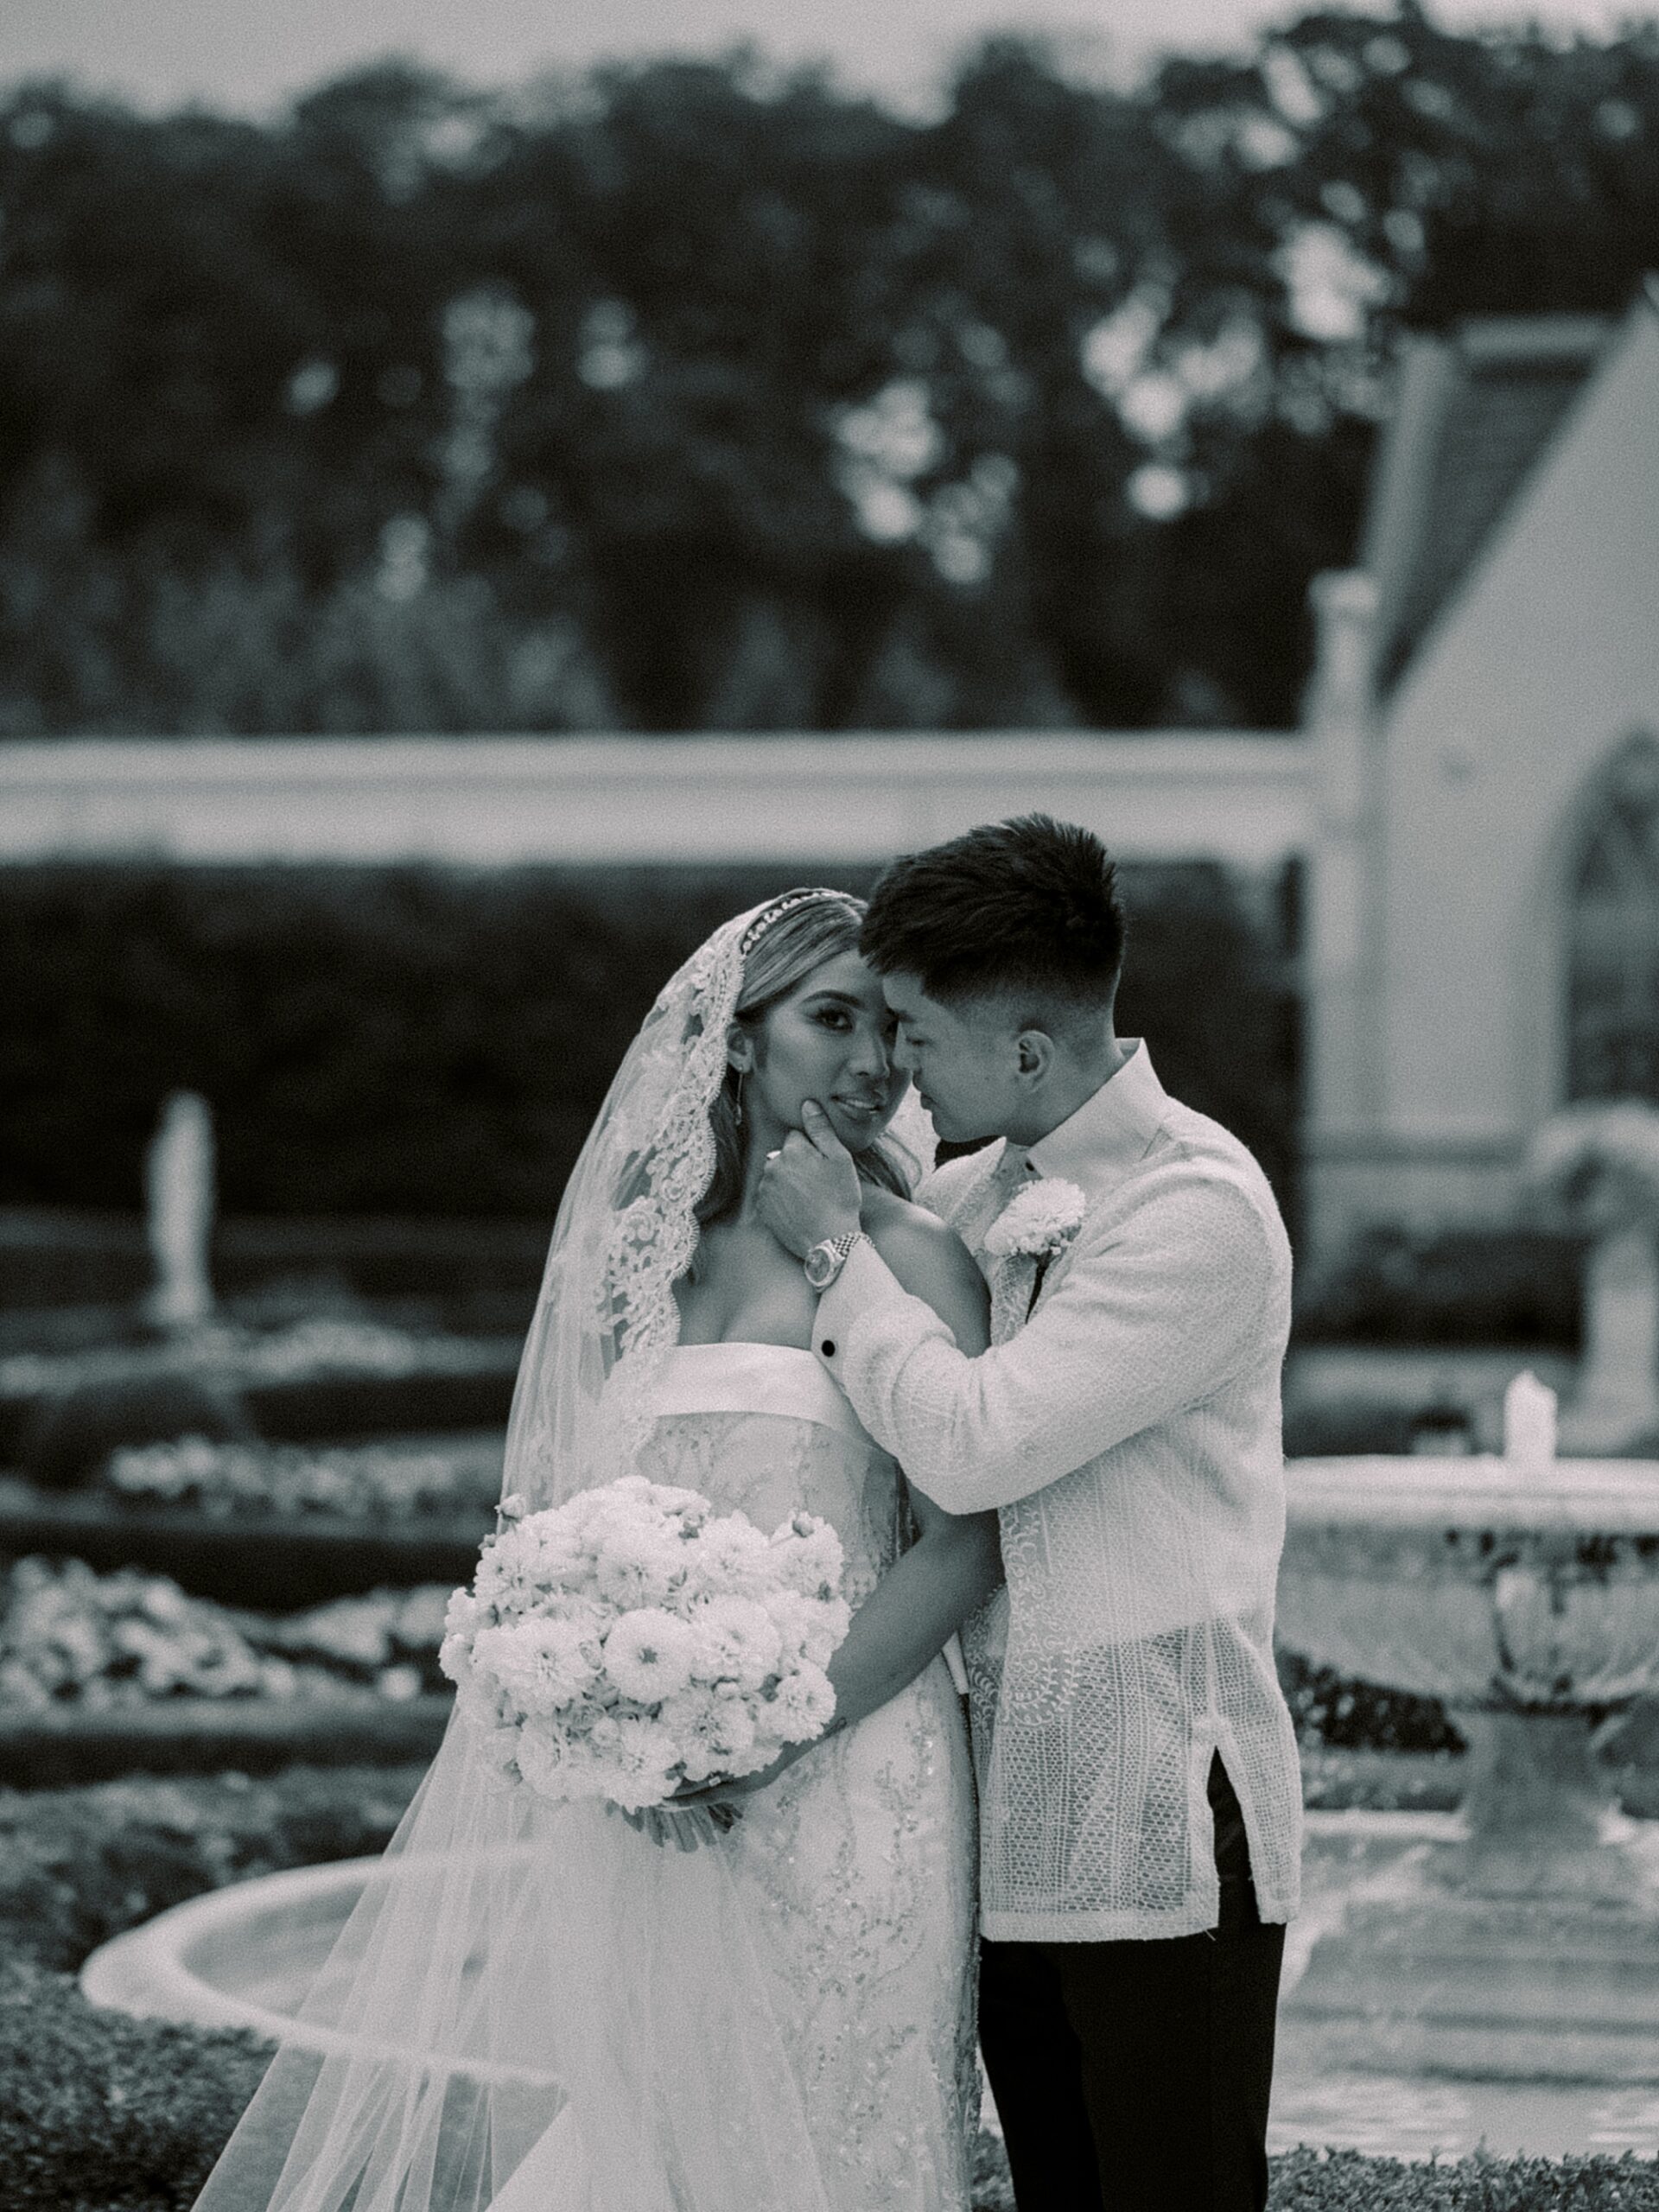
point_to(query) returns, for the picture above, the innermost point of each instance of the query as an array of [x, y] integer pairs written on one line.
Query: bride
[[551, 2008]]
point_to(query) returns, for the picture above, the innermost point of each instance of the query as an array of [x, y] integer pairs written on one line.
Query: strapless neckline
[[747, 1377], [747, 1345]]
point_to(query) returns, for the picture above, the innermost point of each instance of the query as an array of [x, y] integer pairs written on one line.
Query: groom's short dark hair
[[1027, 905]]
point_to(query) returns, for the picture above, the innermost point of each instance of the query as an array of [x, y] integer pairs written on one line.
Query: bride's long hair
[[783, 955]]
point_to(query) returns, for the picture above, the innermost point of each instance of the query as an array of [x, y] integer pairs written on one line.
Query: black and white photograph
[[828, 1106]]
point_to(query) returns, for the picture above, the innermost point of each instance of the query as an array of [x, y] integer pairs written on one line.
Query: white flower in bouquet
[[811, 1628], [649, 1654], [644, 1763], [460, 1623], [694, 1718], [735, 1639], [540, 1664], [509, 1574], [715, 1729], [500, 1745], [548, 1552], [731, 1554], [736, 1735], [610, 1504], [691, 1507], [545, 1758], [810, 1554], [806, 1703], [479, 1702], [638, 1565]]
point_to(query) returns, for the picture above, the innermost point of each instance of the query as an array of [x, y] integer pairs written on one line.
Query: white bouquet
[[631, 1638]]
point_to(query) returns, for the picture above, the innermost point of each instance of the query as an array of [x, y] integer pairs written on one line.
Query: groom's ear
[[1033, 1054]]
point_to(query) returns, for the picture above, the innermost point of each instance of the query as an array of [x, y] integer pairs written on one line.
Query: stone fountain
[[1522, 1591]]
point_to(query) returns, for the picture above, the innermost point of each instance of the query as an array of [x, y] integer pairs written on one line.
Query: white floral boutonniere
[[1038, 1221]]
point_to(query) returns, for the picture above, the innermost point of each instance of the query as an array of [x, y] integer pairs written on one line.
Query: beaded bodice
[[761, 1430]]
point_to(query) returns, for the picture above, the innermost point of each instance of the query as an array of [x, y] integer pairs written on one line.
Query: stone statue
[[1599, 1163], [179, 1200]]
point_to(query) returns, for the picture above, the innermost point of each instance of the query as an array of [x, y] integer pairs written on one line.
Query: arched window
[[1613, 1010]]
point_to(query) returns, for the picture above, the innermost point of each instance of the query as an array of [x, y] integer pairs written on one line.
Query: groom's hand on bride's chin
[[809, 1189]]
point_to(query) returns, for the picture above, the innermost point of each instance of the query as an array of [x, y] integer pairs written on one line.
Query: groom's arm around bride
[[1139, 1789]]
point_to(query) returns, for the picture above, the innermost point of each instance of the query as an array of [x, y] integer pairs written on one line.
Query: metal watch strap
[[840, 1247]]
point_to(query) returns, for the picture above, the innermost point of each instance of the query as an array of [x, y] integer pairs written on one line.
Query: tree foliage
[[687, 395]]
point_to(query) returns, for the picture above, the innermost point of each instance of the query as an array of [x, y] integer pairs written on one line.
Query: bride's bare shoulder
[[931, 1262]]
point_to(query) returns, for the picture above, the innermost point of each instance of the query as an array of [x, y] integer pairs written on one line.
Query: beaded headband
[[775, 913]]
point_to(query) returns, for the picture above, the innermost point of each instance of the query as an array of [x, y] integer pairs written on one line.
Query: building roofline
[[1432, 368]]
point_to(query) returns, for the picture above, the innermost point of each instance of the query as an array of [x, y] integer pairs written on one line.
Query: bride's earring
[[737, 1099]]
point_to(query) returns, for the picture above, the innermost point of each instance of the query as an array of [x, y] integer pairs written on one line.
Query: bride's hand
[[725, 1798]]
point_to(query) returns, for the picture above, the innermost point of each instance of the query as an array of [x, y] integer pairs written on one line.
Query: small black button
[[827, 1347]]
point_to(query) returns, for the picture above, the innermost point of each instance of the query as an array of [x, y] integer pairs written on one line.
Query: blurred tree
[[691, 394]]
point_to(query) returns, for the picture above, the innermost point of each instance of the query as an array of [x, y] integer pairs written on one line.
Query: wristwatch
[[825, 1260]]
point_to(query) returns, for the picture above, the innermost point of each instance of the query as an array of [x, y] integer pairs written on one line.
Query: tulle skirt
[[537, 2009]]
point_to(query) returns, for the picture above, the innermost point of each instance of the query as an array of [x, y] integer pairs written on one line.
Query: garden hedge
[[103, 2114], [179, 1736], [414, 1040], [1516, 1286], [61, 1441], [79, 1866], [263, 1561]]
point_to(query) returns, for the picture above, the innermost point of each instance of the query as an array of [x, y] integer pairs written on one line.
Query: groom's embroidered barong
[[1129, 1433]]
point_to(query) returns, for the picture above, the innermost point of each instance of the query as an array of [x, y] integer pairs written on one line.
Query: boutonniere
[[1039, 1221]]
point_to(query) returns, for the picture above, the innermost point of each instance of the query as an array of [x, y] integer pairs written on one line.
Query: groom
[[1140, 1795]]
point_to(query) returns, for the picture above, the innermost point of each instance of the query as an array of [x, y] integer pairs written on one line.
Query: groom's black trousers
[[1134, 2076]]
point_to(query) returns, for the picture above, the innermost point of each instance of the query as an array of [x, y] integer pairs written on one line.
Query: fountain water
[[1524, 1591], [179, 1198]]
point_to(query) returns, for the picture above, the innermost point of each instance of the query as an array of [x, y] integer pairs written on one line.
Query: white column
[[1343, 960]]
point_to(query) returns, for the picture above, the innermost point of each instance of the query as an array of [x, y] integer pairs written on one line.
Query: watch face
[[821, 1268]]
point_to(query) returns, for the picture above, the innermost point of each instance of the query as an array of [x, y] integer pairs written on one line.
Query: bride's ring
[[776, 1153]]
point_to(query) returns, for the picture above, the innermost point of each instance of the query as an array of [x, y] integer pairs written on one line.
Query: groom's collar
[[1110, 1131]]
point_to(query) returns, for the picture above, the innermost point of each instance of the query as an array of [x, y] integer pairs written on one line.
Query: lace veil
[[475, 2037]]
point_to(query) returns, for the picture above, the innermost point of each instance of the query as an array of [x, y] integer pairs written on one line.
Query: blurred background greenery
[[691, 397]]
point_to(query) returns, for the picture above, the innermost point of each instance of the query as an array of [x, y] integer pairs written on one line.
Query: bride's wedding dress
[[533, 2007], [854, 1873]]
